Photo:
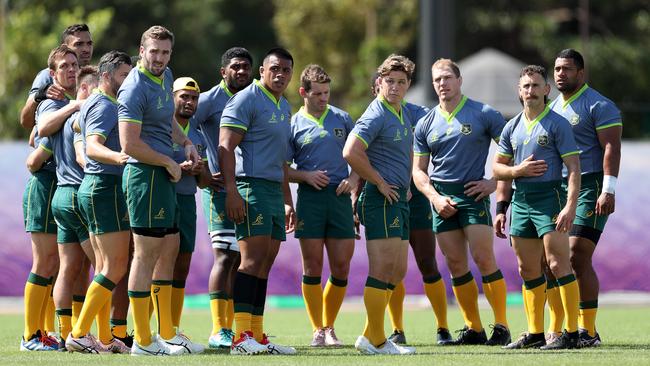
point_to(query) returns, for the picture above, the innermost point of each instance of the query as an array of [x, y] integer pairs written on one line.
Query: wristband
[[609, 184], [502, 207]]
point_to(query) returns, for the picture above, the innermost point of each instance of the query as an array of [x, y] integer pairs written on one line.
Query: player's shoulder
[[338, 112]]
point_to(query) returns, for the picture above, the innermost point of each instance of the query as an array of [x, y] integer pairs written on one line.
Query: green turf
[[625, 332]]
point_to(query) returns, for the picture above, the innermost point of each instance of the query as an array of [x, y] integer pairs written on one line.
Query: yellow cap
[[186, 83]]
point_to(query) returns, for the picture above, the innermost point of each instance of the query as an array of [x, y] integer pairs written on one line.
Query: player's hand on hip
[[480, 188], [345, 187], [389, 191], [500, 226], [317, 179], [606, 204], [445, 207]]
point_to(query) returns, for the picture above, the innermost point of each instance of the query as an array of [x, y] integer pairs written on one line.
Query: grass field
[[625, 332]]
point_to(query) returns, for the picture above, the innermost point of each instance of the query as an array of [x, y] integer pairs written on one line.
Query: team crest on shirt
[[574, 120], [542, 140], [395, 223], [466, 129], [338, 132]]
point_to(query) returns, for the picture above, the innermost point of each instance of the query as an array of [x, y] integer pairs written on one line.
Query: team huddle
[[121, 148]]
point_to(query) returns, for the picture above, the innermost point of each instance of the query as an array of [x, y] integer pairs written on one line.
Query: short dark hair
[[112, 61], [313, 74], [534, 69], [59, 52], [574, 55], [71, 30], [235, 52], [157, 32], [87, 74], [279, 52]]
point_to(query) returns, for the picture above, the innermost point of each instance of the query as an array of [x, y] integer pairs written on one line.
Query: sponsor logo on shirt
[[274, 119]]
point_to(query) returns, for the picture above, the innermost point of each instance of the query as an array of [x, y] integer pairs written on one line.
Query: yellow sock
[[466, 293], [44, 306], [242, 322], [161, 296], [49, 314], [140, 301], [35, 293], [494, 288], [218, 309], [587, 316], [570, 294], [396, 307], [118, 327], [178, 298], [312, 293], [65, 322], [333, 296], [374, 298], [103, 321], [555, 310], [534, 297], [230, 313], [525, 301], [434, 288], [77, 304], [99, 292], [257, 326]]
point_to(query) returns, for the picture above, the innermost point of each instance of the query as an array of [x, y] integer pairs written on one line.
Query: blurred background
[[491, 40]]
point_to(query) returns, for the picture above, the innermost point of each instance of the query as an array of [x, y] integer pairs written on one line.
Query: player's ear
[[302, 92]]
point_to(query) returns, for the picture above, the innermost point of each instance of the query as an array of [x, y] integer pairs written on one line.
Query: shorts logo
[[589, 213], [160, 215], [574, 120], [300, 225], [126, 217], [542, 140], [220, 217], [395, 223], [481, 214], [160, 103], [554, 219], [466, 129], [259, 220], [398, 136], [338, 132], [274, 118], [429, 216]]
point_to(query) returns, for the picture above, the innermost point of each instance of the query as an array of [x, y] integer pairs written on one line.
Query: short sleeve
[[606, 115], [238, 112], [132, 104], [564, 140], [367, 128], [96, 121], [495, 122], [505, 145], [420, 145]]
